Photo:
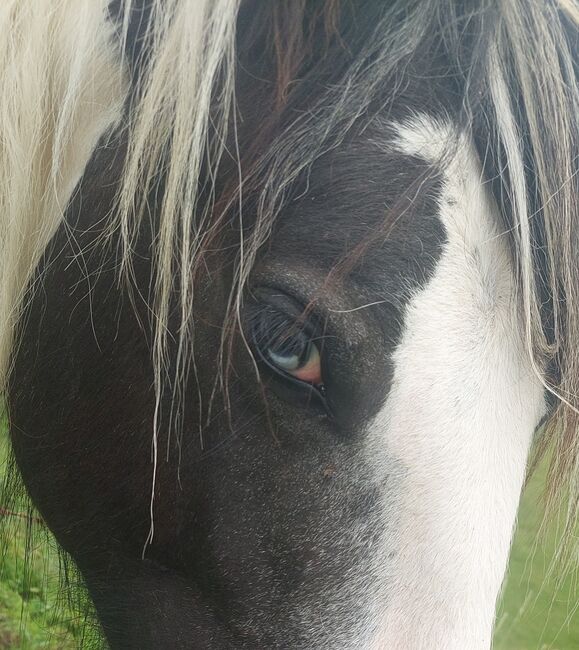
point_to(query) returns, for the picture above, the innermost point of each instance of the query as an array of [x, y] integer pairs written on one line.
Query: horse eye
[[299, 359], [287, 347]]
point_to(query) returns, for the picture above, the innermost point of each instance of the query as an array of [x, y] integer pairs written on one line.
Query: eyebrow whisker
[[348, 311]]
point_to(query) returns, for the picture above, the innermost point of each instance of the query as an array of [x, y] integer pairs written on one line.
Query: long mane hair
[[73, 73]]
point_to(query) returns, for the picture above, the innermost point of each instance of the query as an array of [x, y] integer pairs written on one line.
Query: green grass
[[536, 613], [533, 615], [33, 611]]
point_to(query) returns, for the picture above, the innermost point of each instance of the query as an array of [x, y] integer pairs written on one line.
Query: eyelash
[[279, 338]]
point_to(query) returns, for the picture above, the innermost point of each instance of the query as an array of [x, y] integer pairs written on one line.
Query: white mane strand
[[61, 89]]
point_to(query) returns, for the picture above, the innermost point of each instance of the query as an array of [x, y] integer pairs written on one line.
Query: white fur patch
[[459, 418]]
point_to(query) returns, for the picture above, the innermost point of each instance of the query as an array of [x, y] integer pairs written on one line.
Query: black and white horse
[[286, 290]]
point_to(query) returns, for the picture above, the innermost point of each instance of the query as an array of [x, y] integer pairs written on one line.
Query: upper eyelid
[[304, 322], [272, 336]]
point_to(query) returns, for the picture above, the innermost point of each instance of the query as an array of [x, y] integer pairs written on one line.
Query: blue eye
[[285, 346], [305, 366]]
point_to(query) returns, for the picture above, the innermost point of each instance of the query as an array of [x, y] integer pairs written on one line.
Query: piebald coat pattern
[[460, 416]]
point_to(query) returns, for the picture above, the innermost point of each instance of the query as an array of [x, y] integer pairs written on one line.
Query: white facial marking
[[459, 418]]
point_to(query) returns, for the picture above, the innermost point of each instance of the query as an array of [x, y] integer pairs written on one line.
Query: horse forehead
[[408, 189], [370, 199], [405, 187], [477, 242]]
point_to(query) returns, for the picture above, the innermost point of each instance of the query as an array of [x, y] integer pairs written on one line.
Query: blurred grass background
[[538, 609], [33, 611], [534, 613]]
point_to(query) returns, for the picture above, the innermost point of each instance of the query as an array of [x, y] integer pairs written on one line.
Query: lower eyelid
[[310, 376]]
